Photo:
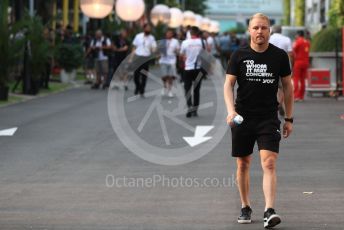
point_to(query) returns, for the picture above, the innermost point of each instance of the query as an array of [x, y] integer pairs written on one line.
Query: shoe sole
[[244, 221], [272, 221]]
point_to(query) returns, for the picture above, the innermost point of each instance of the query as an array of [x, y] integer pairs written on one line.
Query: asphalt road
[[65, 168]]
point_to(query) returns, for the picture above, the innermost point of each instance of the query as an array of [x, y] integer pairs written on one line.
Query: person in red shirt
[[301, 48]]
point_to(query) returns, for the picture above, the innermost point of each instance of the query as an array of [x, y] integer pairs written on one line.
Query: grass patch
[[12, 99], [54, 87]]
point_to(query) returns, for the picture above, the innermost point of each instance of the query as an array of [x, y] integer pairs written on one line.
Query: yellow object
[[65, 8], [76, 16]]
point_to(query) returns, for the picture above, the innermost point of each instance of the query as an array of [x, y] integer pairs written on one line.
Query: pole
[[343, 61], [65, 7], [53, 23], [76, 16], [31, 8]]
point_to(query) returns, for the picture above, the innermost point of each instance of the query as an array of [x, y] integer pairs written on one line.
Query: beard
[[260, 40]]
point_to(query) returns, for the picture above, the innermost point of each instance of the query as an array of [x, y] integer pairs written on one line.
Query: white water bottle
[[237, 120]]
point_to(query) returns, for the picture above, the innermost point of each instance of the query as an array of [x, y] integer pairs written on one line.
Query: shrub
[[69, 56], [325, 40]]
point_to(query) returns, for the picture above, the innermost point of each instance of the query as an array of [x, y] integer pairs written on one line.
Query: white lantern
[[189, 18], [205, 24], [160, 13], [96, 8], [214, 27], [198, 20], [176, 17], [130, 10]]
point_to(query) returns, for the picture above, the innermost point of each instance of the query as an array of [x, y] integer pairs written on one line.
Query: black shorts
[[266, 131]]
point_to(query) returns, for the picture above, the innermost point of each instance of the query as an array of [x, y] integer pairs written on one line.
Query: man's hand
[[287, 129], [230, 118]]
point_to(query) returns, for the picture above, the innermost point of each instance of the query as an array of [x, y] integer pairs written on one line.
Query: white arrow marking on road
[[199, 138], [8, 132]]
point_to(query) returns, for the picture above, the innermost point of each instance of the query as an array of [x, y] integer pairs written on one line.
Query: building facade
[[230, 13], [316, 15]]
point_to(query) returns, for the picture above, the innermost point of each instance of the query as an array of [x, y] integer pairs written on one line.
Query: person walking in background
[[224, 45], [100, 46], [190, 49], [89, 60], [301, 48], [284, 43], [144, 46], [167, 61], [257, 69], [120, 47]]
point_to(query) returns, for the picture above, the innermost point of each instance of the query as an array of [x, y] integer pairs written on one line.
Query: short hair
[[194, 30], [277, 29], [300, 33], [259, 15]]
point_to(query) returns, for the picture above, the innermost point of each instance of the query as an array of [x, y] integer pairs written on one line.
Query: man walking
[[257, 68], [144, 46], [101, 46], [167, 61], [190, 49], [301, 48]]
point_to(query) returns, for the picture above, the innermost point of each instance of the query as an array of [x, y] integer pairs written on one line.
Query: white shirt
[[172, 46], [191, 49], [99, 43], [211, 45], [281, 41], [144, 44]]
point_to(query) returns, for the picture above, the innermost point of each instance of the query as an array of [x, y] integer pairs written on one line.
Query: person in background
[[89, 60], [224, 45], [100, 47], [284, 43], [144, 46], [190, 49], [301, 48], [168, 59], [121, 48], [48, 63]]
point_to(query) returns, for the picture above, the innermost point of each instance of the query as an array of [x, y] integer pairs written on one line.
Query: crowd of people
[[178, 57]]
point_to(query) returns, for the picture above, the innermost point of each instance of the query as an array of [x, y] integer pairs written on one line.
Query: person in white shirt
[[190, 49], [210, 43], [284, 43], [100, 46], [167, 61], [144, 46]]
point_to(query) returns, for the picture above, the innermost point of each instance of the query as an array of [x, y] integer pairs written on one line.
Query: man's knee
[[269, 164], [243, 163]]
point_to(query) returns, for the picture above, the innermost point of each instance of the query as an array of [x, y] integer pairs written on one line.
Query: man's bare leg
[[268, 161], [243, 178]]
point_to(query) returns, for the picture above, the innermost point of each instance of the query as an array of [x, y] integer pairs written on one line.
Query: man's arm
[[228, 90], [288, 103]]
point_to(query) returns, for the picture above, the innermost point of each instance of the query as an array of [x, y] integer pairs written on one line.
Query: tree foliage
[[286, 12], [326, 40], [336, 13]]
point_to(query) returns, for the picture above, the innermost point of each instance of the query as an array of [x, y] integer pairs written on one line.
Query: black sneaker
[[271, 219], [194, 114], [245, 215], [95, 86]]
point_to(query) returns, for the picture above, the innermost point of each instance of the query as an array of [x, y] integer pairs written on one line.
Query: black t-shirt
[[257, 76], [120, 43]]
